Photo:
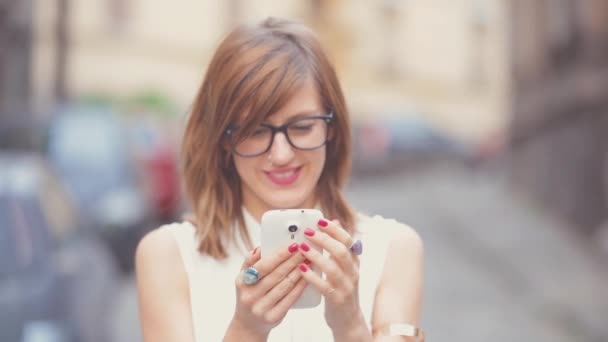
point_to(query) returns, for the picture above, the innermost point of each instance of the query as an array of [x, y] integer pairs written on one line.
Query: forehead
[[305, 100]]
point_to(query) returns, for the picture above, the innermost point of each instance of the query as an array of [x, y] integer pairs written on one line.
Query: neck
[[257, 208]]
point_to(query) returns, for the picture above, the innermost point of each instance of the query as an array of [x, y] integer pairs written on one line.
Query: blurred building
[[559, 131], [444, 60], [15, 67]]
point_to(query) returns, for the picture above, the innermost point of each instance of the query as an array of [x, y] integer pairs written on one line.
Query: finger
[[342, 255], [279, 273], [249, 261], [335, 230], [322, 285], [280, 290], [281, 308], [251, 258], [326, 265], [268, 263]]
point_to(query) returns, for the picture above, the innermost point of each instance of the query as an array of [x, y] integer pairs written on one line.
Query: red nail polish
[[322, 223], [304, 247], [307, 262], [293, 248], [303, 268], [309, 232]]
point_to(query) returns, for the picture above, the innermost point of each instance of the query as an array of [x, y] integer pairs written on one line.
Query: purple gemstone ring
[[357, 247]]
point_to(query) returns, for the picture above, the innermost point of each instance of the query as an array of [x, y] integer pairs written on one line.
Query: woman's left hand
[[341, 284]]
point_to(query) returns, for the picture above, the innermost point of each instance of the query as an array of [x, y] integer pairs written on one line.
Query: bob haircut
[[253, 73]]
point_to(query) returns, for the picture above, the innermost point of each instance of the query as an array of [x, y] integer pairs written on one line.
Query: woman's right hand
[[262, 306]]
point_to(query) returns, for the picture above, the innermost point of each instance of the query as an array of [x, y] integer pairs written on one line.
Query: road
[[498, 266]]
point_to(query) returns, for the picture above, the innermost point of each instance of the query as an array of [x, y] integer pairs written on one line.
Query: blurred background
[[481, 123]]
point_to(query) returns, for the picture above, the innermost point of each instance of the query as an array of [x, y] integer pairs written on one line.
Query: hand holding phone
[[283, 226]]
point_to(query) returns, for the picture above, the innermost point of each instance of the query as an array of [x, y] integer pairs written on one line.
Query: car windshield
[[23, 233]]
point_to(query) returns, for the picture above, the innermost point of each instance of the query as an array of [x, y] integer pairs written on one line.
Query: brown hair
[[255, 70]]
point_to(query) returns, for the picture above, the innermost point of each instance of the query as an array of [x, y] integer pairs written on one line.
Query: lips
[[284, 176]]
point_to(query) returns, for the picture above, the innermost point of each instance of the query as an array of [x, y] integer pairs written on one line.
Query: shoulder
[[162, 286], [161, 241], [158, 251], [402, 244], [400, 288], [158, 244], [400, 234], [167, 239]]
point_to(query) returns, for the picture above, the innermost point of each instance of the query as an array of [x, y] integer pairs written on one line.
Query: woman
[[270, 129]]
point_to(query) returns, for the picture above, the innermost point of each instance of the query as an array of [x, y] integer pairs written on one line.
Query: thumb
[[251, 259]]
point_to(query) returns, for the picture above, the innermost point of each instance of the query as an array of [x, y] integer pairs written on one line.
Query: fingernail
[[254, 250], [309, 232], [303, 268], [307, 262], [322, 223], [293, 248], [304, 247]]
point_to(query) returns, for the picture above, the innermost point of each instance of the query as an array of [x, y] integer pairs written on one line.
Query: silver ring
[[357, 247], [250, 276]]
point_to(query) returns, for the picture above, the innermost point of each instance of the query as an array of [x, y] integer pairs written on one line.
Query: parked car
[[403, 141], [90, 149], [55, 276]]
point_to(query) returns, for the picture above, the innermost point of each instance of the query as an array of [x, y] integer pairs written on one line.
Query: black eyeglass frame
[[328, 118]]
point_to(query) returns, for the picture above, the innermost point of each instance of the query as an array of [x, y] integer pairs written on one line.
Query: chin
[[287, 201]]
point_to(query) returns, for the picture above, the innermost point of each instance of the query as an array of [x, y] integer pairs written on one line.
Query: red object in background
[[163, 174]]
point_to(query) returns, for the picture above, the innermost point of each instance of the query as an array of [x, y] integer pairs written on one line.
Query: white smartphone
[[282, 226]]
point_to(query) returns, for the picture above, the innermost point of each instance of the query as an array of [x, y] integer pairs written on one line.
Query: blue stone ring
[[250, 276], [357, 247]]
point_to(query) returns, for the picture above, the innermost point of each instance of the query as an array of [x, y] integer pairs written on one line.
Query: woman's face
[[284, 177]]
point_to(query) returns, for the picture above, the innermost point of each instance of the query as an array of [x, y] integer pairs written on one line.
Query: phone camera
[[293, 228]]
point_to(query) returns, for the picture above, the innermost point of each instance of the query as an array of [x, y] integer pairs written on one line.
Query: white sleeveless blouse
[[213, 296]]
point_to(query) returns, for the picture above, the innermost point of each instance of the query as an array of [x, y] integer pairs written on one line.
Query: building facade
[[445, 60]]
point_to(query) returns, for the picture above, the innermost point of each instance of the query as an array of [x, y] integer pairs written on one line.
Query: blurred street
[[483, 124], [497, 268]]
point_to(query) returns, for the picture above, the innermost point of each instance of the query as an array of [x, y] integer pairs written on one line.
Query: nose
[[281, 151]]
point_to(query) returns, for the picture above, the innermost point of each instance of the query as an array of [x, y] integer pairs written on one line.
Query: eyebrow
[[303, 114]]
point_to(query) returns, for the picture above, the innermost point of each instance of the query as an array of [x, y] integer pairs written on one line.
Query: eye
[[302, 127], [259, 131]]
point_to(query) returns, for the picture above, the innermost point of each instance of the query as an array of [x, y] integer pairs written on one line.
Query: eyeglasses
[[306, 133]]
